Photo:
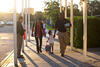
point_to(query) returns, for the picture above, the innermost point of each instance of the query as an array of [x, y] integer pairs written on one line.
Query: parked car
[[1, 23], [9, 23]]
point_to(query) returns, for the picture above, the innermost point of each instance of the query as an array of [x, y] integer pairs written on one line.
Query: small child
[[51, 41], [48, 47]]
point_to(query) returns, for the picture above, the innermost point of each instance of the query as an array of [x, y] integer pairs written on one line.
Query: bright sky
[[7, 5]]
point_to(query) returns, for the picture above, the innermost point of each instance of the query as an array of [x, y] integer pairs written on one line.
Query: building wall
[[31, 10]]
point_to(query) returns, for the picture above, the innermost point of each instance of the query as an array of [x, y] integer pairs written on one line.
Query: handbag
[[24, 35]]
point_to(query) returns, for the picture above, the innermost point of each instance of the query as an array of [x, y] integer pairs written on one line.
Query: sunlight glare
[[6, 5]]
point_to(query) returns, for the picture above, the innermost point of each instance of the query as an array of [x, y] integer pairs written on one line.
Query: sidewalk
[[72, 59]]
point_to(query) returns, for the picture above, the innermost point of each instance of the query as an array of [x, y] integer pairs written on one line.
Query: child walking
[[51, 41]]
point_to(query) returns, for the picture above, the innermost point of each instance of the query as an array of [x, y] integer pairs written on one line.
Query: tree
[[39, 15], [93, 8], [31, 17], [76, 10], [51, 10]]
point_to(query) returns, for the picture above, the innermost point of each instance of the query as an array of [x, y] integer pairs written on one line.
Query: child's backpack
[[47, 47]]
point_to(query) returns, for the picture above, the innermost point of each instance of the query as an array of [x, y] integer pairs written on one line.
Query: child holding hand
[[51, 41]]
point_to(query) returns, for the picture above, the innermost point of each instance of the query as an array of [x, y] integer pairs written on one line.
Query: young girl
[[51, 41]]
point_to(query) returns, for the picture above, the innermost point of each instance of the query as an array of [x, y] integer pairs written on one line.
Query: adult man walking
[[62, 33]]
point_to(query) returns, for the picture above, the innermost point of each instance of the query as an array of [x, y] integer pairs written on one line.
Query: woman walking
[[38, 32]]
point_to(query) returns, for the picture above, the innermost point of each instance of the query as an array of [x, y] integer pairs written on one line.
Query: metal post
[[23, 23], [85, 28], [60, 6], [15, 34], [26, 19], [71, 19], [29, 20], [65, 9]]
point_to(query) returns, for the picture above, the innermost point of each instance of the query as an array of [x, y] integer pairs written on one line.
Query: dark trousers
[[19, 44], [38, 43]]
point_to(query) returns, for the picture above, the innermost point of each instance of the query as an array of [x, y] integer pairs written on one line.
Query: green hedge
[[93, 32]]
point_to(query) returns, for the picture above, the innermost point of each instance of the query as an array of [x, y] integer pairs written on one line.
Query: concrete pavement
[[6, 41], [44, 59]]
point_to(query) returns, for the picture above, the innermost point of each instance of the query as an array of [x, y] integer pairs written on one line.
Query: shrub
[[93, 35]]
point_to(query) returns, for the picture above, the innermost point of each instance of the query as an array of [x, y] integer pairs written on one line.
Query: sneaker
[[41, 51], [21, 56], [37, 51], [51, 52]]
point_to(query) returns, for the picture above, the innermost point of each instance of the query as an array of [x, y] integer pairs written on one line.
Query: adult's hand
[[54, 36], [32, 35], [44, 33], [54, 33], [24, 30]]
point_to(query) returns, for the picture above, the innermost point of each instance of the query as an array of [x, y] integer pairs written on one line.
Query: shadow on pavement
[[23, 64], [34, 64], [89, 55], [79, 63], [94, 58], [33, 42], [94, 50], [45, 58], [75, 63], [67, 63]]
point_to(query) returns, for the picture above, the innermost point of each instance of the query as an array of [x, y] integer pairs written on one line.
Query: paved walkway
[[44, 59]]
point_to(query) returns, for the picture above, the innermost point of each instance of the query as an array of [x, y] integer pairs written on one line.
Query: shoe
[[21, 56], [62, 55], [41, 51], [51, 52], [37, 51]]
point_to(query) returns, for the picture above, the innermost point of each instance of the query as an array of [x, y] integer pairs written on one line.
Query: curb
[[75, 49], [3, 61]]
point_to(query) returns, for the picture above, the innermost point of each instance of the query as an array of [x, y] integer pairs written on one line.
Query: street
[[6, 41]]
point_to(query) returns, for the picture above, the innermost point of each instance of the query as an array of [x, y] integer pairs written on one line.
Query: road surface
[[6, 41]]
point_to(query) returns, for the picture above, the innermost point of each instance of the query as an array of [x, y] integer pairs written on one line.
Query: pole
[[23, 23], [71, 19], [26, 19], [85, 28], [65, 9], [15, 34], [29, 20], [60, 6]]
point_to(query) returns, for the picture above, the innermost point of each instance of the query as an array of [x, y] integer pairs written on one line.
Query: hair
[[61, 16], [20, 17], [39, 19], [49, 32]]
